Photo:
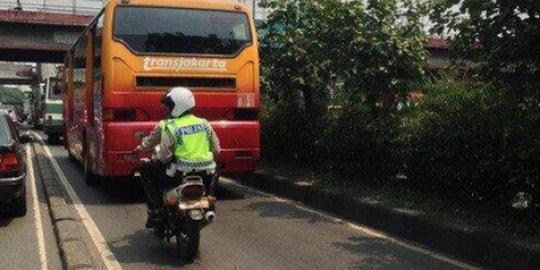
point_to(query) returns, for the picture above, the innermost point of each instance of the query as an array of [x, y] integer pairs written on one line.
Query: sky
[[91, 6], [81, 6]]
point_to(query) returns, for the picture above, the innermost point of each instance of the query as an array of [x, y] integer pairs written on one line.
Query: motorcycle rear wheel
[[188, 238]]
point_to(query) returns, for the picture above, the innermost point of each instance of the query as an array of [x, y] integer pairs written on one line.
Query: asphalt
[[19, 245], [253, 231]]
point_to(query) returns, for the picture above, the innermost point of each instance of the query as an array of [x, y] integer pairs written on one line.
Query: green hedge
[[466, 140], [335, 81], [469, 140], [358, 143]]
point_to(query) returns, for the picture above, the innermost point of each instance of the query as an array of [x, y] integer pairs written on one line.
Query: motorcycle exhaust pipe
[[210, 216]]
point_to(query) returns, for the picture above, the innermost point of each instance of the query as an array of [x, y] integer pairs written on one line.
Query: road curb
[[486, 248], [74, 252]]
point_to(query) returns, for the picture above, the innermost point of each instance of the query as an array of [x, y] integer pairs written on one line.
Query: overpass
[[11, 73], [38, 36]]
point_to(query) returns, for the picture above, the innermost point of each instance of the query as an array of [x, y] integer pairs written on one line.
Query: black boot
[[153, 219]]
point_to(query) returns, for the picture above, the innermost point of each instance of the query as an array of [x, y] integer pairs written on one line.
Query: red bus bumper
[[239, 140]]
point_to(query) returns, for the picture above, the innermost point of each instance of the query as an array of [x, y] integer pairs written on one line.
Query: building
[[86, 7]]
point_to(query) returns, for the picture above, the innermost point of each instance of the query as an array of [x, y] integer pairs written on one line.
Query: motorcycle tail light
[[193, 191], [172, 201]]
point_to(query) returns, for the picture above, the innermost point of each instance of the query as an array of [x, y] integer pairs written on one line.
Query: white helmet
[[178, 100]]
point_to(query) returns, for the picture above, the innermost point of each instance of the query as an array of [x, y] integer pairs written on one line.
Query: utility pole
[[18, 7], [253, 7]]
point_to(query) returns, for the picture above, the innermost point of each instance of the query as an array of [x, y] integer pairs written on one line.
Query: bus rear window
[[55, 93], [182, 31]]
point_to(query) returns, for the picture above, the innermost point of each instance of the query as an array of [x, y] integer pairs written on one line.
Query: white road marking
[[112, 264], [37, 211], [99, 241], [357, 227]]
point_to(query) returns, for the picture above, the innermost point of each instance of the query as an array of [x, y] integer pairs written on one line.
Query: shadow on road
[[377, 253], [130, 191], [122, 191], [155, 251], [226, 194], [276, 209], [5, 220]]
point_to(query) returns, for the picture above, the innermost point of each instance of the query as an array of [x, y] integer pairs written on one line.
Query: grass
[[518, 224]]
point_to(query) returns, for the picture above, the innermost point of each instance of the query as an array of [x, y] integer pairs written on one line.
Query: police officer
[[188, 145]]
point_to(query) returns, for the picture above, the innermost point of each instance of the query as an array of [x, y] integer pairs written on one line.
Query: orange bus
[[135, 50]]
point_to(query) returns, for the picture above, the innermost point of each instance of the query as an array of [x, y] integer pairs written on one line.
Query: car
[[13, 112], [52, 120], [12, 167]]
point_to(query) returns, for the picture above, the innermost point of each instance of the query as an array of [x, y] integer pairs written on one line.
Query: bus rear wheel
[[89, 177]]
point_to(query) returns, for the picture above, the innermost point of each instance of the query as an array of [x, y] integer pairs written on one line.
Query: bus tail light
[[241, 114], [127, 157], [125, 115], [243, 155], [8, 162], [246, 114], [229, 115]]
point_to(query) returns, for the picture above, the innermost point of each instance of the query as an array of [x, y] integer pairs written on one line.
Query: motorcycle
[[186, 210]]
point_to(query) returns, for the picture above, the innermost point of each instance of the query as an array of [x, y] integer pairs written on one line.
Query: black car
[[12, 167]]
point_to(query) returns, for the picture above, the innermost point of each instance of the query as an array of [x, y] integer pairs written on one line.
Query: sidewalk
[[68, 228], [488, 248]]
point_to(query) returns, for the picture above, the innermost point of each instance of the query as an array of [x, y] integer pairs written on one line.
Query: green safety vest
[[192, 137]]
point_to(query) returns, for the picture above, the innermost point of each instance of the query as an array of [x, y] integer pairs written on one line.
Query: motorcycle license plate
[[194, 204]]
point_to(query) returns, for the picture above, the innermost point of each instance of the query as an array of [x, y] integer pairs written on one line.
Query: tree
[[502, 36], [330, 64], [10, 95], [372, 50]]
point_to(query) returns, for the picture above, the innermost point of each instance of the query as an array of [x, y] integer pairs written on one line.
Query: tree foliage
[[372, 51], [325, 60], [10, 95], [503, 36]]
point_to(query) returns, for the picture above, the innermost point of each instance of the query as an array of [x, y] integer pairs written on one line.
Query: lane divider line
[[106, 254], [111, 263], [357, 227], [37, 211]]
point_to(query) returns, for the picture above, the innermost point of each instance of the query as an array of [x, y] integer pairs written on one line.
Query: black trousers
[[155, 181]]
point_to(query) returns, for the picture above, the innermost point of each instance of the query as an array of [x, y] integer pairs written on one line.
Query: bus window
[[183, 31], [55, 92], [98, 33], [79, 65]]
